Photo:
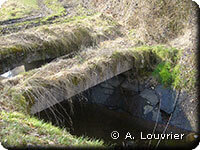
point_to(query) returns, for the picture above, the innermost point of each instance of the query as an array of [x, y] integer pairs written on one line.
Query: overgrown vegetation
[[13, 9], [17, 129], [26, 89], [55, 7], [65, 37], [26, 8], [155, 22], [92, 31], [167, 74], [45, 79]]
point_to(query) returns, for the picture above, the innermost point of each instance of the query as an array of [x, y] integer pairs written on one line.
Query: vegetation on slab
[[99, 37]]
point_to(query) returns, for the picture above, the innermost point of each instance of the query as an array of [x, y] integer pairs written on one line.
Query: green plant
[[176, 76], [162, 73], [167, 74]]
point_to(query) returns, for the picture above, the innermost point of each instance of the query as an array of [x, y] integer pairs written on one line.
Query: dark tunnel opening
[[114, 105]]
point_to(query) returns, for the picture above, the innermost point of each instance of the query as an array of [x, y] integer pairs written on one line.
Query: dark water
[[92, 120], [97, 121]]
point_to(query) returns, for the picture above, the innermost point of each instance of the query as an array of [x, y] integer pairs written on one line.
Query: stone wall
[[144, 99]]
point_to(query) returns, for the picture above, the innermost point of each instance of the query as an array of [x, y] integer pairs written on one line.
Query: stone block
[[150, 96]]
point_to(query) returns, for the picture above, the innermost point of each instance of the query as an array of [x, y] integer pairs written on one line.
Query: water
[[96, 121]]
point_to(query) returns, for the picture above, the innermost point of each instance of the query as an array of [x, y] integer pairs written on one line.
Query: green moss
[[167, 74], [162, 73], [162, 52], [16, 49], [176, 77], [145, 58], [19, 100], [159, 59], [75, 80], [166, 59], [12, 50], [117, 55]]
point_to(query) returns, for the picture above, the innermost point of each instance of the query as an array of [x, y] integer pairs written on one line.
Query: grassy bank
[[98, 37], [45, 42], [65, 74], [17, 9], [19, 130], [25, 89]]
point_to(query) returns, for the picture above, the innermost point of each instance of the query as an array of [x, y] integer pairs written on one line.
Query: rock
[[167, 98], [17, 70], [136, 106], [1, 78], [150, 96], [147, 109], [125, 98], [152, 115], [186, 113], [131, 86], [115, 81], [180, 119], [99, 94], [13, 72], [106, 85]]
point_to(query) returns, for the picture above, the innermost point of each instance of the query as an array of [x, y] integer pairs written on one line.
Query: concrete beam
[[95, 77]]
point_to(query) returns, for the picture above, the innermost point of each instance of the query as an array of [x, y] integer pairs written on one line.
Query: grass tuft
[[21, 130]]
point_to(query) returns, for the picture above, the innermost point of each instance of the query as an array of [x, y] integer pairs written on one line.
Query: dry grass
[[16, 9], [154, 22], [66, 76], [168, 22], [56, 40], [28, 8], [150, 22]]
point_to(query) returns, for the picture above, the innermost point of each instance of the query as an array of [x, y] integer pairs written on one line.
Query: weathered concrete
[[42, 52], [17, 70], [1, 78], [120, 92], [93, 79], [36, 64], [13, 72]]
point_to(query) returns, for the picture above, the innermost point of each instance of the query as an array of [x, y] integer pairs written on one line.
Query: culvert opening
[[23, 68], [123, 104], [13, 72]]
